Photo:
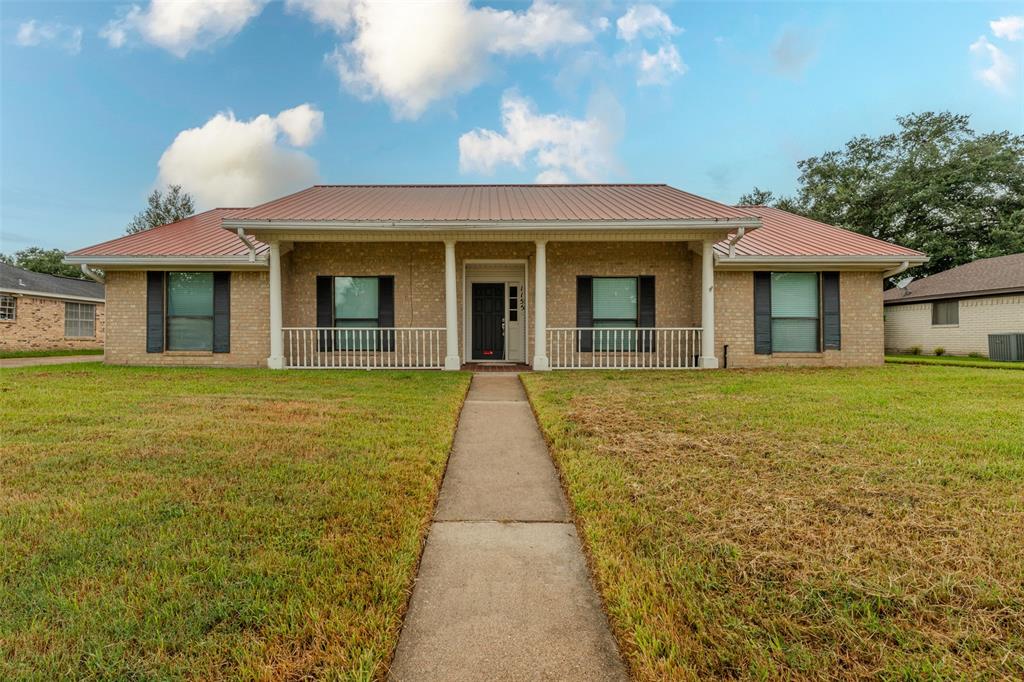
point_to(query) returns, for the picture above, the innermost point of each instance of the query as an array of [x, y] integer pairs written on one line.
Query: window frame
[[13, 307], [78, 307], [819, 318], [167, 312], [348, 341], [953, 303], [618, 341]]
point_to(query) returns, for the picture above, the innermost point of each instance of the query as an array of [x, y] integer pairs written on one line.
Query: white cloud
[[227, 162], [659, 68], [34, 33], [413, 53], [180, 27], [793, 51], [645, 20], [559, 147], [1000, 71], [1008, 28]]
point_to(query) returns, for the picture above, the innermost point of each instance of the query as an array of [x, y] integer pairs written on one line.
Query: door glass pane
[[794, 294], [190, 333], [189, 293], [795, 335], [615, 298], [356, 298]]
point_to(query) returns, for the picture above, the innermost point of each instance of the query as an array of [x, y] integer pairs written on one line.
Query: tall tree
[[935, 185], [162, 208], [47, 261]]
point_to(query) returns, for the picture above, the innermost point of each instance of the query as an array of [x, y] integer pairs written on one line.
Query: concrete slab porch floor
[[503, 591]]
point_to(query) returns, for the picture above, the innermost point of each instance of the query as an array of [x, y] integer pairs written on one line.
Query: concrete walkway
[[11, 363], [503, 591]]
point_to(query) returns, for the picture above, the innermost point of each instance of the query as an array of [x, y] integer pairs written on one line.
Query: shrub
[[975, 355], [915, 350], [940, 351]]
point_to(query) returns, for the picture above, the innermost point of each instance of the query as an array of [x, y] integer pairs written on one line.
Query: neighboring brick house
[[551, 276], [46, 312], [957, 309]]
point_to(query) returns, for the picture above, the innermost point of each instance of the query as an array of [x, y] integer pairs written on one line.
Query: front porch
[[546, 303]]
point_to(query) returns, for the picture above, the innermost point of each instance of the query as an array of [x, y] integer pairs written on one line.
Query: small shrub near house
[[940, 351], [915, 350]]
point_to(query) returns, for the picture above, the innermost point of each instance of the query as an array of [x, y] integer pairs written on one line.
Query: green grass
[[952, 361], [800, 524], [213, 524], [9, 354]]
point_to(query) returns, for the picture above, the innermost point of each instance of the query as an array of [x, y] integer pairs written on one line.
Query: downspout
[[248, 242], [732, 242], [92, 274], [897, 270]]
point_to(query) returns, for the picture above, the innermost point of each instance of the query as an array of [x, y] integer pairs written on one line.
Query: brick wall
[[39, 325], [126, 324], [910, 325], [860, 304]]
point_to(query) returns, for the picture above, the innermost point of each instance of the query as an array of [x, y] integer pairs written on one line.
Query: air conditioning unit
[[1006, 347]]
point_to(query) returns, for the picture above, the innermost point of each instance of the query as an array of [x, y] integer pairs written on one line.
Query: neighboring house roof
[[988, 276], [780, 234], [198, 235], [787, 234], [490, 203], [19, 280]]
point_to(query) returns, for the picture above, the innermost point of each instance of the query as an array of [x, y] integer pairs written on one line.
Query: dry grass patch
[[213, 524], [812, 524]]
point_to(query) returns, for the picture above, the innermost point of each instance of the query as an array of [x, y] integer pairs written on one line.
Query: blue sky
[[714, 98]]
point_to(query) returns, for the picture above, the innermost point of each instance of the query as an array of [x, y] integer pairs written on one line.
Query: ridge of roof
[[496, 184]]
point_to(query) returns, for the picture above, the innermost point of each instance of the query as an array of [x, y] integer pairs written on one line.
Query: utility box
[[1006, 347]]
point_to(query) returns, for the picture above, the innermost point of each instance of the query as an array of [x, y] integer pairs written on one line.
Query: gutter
[[490, 226], [902, 267], [732, 242], [92, 274], [248, 242]]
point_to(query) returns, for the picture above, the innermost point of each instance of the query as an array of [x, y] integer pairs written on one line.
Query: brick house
[[46, 312], [551, 276], [957, 309]]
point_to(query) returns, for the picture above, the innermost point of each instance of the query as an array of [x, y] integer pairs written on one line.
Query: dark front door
[[489, 321]]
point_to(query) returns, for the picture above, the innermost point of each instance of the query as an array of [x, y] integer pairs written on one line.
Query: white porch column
[[540, 309], [276, 359], [707, 305], [451, 309]]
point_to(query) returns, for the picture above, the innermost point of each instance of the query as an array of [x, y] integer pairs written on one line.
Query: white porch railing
[[364, 347], [623, 348]]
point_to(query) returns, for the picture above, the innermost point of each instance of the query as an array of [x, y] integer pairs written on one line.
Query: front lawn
[[64, 352], [205, 524], [952, 361], [803, 524]]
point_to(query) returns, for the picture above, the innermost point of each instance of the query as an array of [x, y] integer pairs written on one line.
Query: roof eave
[[490, 225], [981, 293], [146, 262], [879, 262], [48, 294]]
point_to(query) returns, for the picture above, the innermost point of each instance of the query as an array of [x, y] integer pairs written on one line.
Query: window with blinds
[[190, 311], [615, 307], [356, 304], [945, 312], [796, 310], [79, 320], [8, 307]]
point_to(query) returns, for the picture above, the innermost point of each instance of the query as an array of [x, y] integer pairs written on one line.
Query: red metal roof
[[782, 234], [787, 234], [470, 203], [198, 235]]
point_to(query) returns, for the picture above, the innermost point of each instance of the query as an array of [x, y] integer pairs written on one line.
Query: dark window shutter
[[645, 311], [830, 310], [762, 313], [325, 310], [154, 312], [386, 310], [585, 311], [222, 312]]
